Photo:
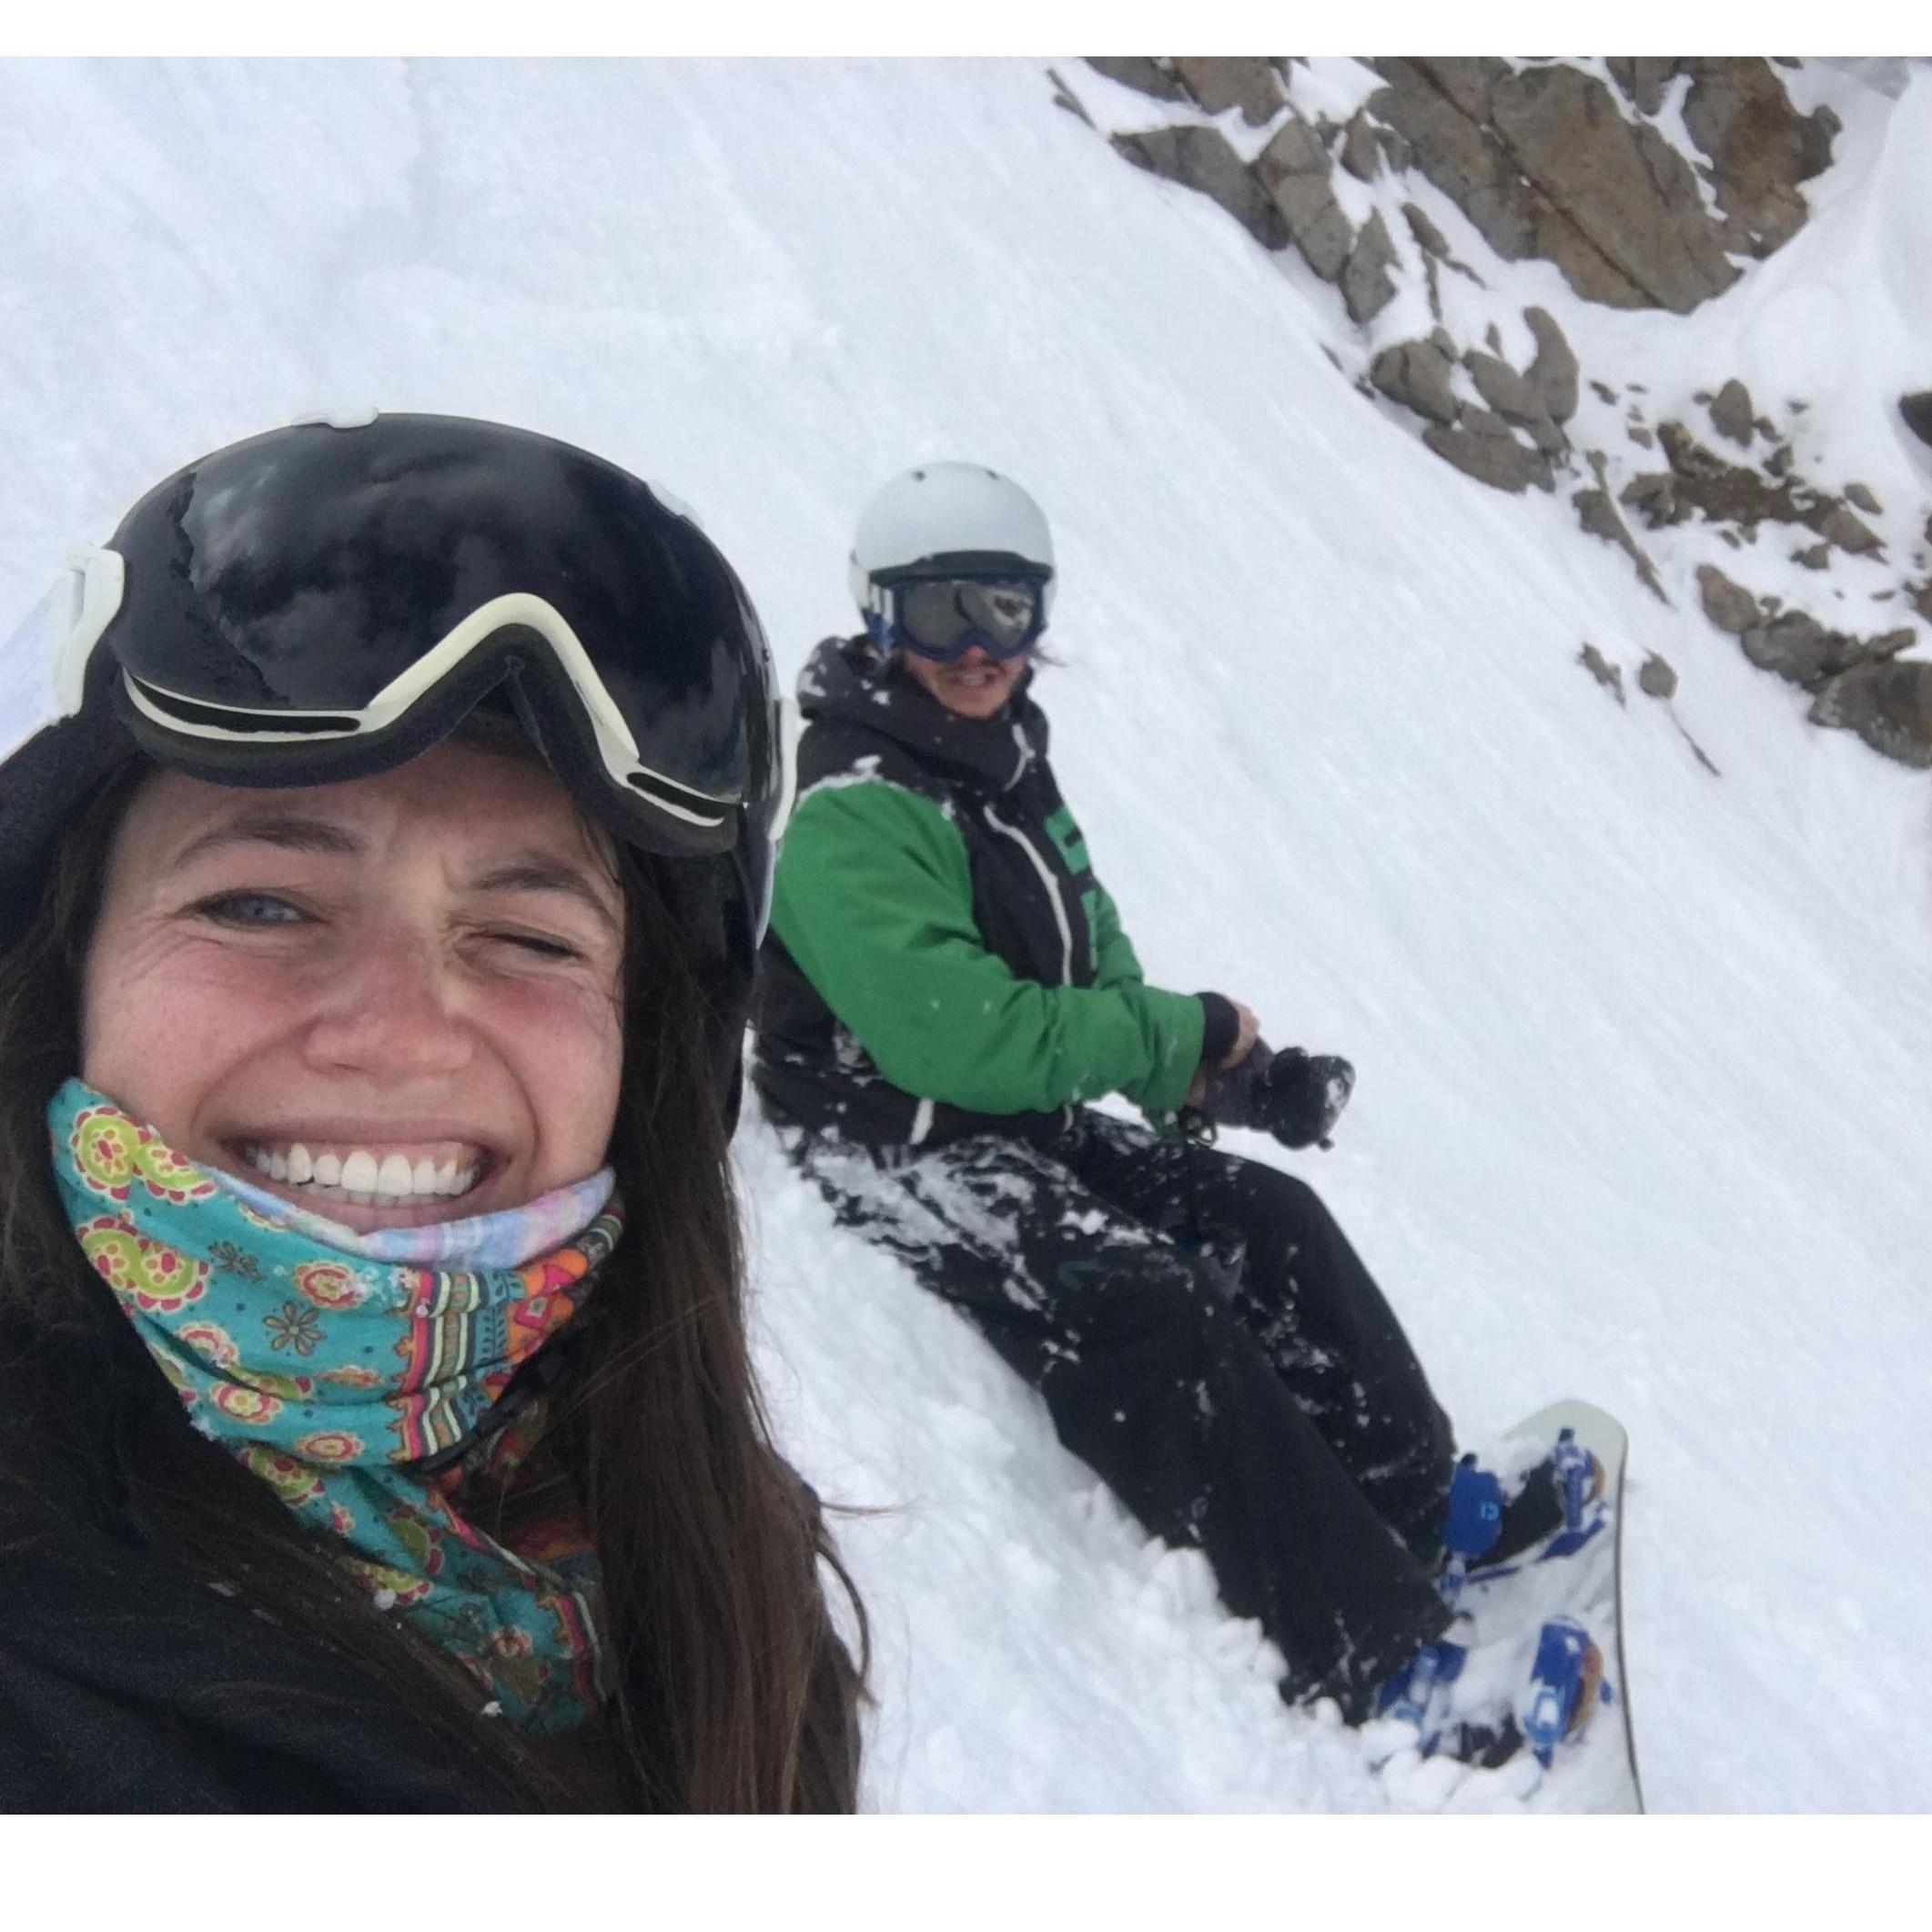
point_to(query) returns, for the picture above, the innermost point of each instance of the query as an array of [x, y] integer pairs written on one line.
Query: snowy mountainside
[[1645, 1099]]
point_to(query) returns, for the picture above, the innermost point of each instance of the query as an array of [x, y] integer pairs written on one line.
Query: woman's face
[[395, 1000], [974, 687]]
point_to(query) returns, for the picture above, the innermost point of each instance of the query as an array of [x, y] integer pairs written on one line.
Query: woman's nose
[[392, 1010]]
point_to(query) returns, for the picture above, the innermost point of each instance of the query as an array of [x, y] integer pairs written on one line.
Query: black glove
[[1303, 1096], [1295, 1096]]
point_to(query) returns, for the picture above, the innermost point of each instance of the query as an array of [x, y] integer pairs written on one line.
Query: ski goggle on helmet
[[323, 602], [949, 556]]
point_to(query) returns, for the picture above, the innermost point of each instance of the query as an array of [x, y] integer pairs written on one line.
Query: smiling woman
[[376, 934]]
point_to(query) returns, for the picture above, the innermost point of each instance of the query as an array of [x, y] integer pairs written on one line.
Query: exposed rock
[[1917, 409], [1645, 81], [1731, 493], [1779, 461], [1481, 445], [1597, 513], [1760, 148], [1547, 436], [1800, 649], [1416, 375], [1728, 605], [1814, 557], [1440, 108], [1219, 82], [1609, 676], [1202, 158], [1506, 392], [1142, 75], [1889, 705], [1552, 372], [1366, 284], [1293, 168], [1603, 391], [1849, 531], [1429, 238], [1544, 164], [1764, 428], [1921, 596], [1063, 96], [1361, 149], [1642, 437], [1862, 498], [1653, 497], [1656, 679], [1731, 413]]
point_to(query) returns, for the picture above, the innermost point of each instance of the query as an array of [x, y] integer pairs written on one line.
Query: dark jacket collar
[[847, 680]]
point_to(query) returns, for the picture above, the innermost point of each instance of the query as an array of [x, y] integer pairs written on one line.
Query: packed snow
[[1644, 1112]]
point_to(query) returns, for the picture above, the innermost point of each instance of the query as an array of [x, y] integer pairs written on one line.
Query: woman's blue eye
[[251, 908]]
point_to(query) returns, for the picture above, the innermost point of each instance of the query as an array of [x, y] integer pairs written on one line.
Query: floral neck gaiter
[[355, 1376]]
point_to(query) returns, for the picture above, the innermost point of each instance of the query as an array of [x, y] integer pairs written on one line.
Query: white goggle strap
[[615, 745], [61, 630]]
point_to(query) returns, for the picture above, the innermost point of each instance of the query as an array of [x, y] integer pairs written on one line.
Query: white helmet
[[960, 517]]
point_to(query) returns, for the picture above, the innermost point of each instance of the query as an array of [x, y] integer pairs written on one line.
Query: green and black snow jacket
[[942, 959]]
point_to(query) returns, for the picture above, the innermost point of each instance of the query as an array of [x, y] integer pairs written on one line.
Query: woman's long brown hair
[[733, 1692]]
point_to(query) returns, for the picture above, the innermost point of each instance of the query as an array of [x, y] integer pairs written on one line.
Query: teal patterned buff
[[332, 1373]]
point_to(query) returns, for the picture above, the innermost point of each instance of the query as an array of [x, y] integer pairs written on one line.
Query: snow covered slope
[[1646, 1101]]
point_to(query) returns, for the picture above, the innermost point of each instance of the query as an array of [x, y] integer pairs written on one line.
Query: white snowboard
[[1577, 1575]]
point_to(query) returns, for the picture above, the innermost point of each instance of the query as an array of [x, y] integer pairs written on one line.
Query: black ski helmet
[[324, 602]]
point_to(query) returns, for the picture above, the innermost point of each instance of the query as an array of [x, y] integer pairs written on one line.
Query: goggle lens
[[943, 618]]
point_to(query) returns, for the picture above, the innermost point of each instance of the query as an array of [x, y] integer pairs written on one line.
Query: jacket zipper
[[1053, 890]]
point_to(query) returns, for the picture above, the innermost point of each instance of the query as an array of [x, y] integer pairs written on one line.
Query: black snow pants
[[1209, 1343]]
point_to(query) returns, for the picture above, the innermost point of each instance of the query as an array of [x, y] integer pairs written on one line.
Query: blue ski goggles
[[941, 618]]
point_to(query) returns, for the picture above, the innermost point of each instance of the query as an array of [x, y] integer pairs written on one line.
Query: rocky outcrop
[[1367, 286], [1656, 679], [1596, 510], [1417, 375], [1554, 372], [1643, 192], [1728, 605], [1217, 84], [1203, 158], [1645, 81], [1293, 168], [1544, 163], [1889, 705], [1736, 495], [1481, 444], [1759, 147], [1609, 676], [1793, 643], [1154, 79], [1731, 414]]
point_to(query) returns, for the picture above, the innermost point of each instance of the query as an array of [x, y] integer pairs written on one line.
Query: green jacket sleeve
[[1114, 963], [873, 899]]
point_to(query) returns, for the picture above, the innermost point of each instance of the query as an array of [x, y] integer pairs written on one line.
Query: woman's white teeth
[[360, 1177]]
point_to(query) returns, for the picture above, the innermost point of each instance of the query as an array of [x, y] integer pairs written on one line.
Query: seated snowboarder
[[946, 984]]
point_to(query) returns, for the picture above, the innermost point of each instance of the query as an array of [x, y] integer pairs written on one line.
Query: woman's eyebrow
[[540, 872], [288, 830]]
